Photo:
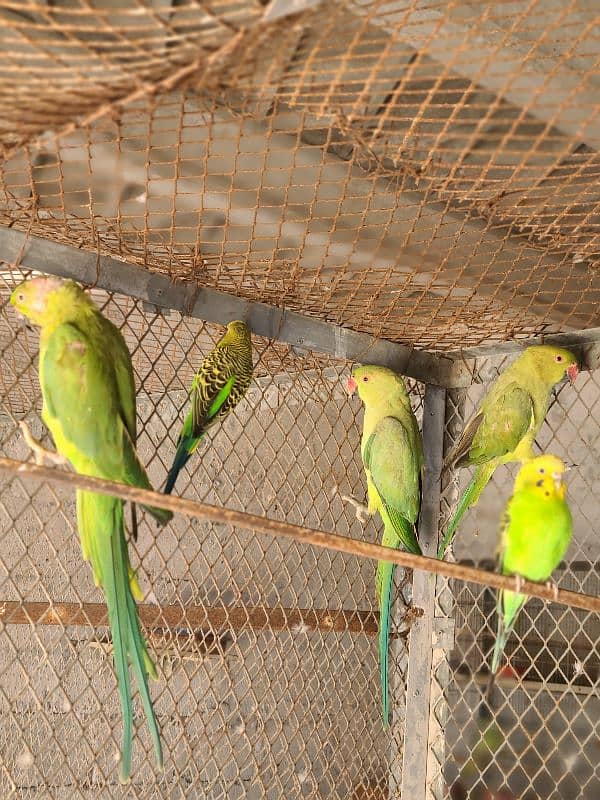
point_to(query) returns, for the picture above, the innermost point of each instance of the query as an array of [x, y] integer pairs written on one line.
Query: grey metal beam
[[584, 344], [420, 658], [212, 305], [569, 339]]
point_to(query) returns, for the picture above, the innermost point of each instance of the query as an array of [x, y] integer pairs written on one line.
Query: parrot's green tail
[[185, 448], [385, 581], [508, 606], [102, 532], [478, 483], [397, 531]]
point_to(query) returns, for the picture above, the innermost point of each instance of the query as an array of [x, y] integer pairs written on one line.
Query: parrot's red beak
[[351, 386], [572, 372]]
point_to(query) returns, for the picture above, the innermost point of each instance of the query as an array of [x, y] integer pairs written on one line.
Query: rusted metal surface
[[176, 616]]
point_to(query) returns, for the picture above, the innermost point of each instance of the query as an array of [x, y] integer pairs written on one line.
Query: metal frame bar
[[177, 616], [584, 344], [212, 305], [299, 330], [420, 658]]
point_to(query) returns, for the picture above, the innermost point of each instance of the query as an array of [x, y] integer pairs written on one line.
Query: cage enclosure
[[406, 183]]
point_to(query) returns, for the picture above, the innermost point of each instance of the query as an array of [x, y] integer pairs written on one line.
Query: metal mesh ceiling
[[424, 172]]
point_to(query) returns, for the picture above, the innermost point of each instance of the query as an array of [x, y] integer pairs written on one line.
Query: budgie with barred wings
[[218, 386]]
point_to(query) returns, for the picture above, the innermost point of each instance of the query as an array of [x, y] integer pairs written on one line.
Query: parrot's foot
[[40, 453], [550, 584], [362, 512], [520, 580]]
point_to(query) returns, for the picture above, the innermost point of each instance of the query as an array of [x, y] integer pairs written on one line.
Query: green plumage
[[220, 383], [392, 454], [505, 425], [89, 407], [535, 536]]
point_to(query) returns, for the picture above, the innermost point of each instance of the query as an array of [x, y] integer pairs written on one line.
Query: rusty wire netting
[[424, 171], [538, 735], [265, 689]]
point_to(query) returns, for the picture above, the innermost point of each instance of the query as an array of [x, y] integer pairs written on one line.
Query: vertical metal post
[[418, 689]]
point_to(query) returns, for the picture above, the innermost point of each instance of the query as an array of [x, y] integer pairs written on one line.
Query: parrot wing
[[496, 429], [210, 392], [124, 378], [126, 391], [395, 469], [81, 396]]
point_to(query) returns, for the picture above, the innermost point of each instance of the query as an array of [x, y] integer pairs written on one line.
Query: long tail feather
[[103, 532], [397, 531], [471, 495], [507, 608], [185, 448], [385, 580]]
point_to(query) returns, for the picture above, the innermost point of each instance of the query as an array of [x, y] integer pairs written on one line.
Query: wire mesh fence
[[424, 172], [269, 683]]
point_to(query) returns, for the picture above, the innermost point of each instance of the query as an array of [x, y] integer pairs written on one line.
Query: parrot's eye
[[558, 358], [365, 378], [542, 470], [20, 297]]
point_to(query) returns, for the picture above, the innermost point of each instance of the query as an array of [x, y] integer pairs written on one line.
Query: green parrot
[[535, 536], [218, 386], [392, 454], [88, 394], [507, 421]]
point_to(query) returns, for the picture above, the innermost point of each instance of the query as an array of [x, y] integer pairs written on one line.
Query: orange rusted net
[[425, 172]]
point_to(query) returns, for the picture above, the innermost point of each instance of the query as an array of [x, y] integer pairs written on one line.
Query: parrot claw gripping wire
[[361, 512], [40, 453], [553, 586]]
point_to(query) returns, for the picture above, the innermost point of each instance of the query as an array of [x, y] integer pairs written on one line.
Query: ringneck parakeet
[[507, 421], [218, 386], [392, 454], [536, 532], [88, 394]]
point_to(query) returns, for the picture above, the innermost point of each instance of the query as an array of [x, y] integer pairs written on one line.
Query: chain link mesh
[[275, 692], [422, 171]]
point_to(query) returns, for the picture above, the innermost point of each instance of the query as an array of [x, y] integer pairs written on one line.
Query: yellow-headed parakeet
[[392, 454], [88, 394], [218, 386], [507, 421], [535, 536]]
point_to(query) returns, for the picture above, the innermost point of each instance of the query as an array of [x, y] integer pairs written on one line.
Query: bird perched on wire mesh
[[88, 394], [218, 386], [507, 421], [392, 454], [535, 535]]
